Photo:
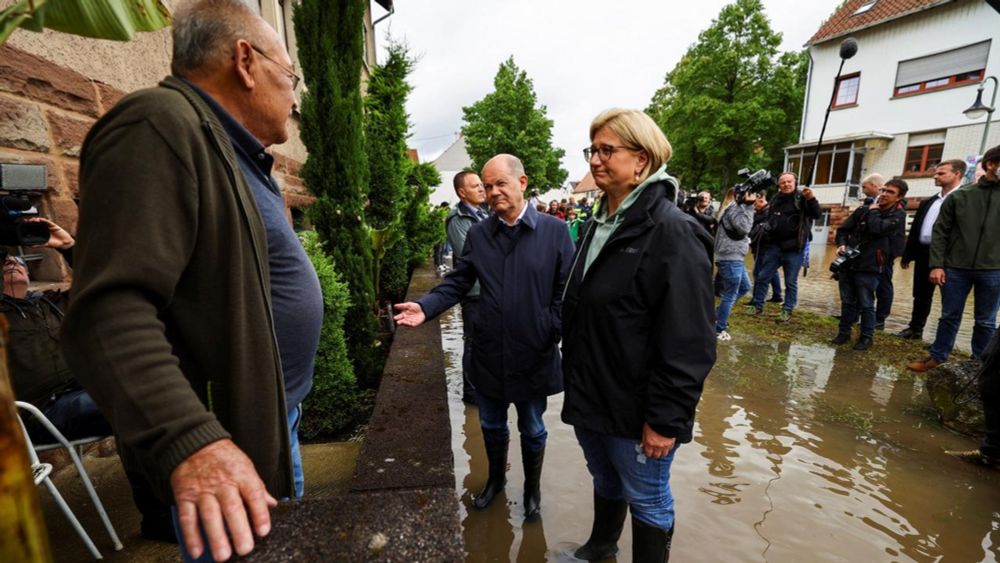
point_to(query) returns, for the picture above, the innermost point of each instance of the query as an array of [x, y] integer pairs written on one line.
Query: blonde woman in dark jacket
[[638, 333]]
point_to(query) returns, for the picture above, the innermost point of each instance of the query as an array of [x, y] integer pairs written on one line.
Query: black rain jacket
[[638, 329]]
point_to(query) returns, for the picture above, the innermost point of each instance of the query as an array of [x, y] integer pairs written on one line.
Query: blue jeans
[[735, 284], [775, 281], [771, 258], [493, 419], [294, 417], [621, 471], [857, 297], [74, 413], [954, 292]]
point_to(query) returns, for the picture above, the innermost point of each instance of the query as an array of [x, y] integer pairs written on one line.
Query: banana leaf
[[102, 19]]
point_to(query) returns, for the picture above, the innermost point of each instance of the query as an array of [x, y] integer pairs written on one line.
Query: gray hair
[[204, 31], [876, 179], [513, 164]]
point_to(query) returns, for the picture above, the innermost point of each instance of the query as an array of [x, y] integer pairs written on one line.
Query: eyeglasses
[[289, 71], [603, 152], [16, 259]]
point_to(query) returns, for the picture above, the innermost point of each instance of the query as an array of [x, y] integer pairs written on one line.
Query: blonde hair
[[638, 131]]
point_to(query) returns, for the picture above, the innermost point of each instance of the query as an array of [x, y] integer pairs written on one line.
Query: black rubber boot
[[496, 454], [650, 544], [609, 519], [532, 482]]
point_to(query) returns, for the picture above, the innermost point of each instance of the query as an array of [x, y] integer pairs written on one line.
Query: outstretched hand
[[217, 486], [410, 314]]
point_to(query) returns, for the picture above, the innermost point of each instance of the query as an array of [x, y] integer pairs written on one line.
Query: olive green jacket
[[170, 326], [967, 230]]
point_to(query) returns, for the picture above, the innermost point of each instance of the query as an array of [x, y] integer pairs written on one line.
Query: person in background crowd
[[466, 213], [196, 313], [521, 260], [947, 176], [789, 226], [760, 213], [884, 292], [584, 209], [554, 210], [965, 256], [639, 335], [534, 201], [732, 242], [573, 223], [874, 230]]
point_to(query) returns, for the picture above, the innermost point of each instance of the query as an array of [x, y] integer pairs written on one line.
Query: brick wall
[[45, 113]]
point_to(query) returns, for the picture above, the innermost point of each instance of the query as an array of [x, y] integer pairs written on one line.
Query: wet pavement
[[801, 453]]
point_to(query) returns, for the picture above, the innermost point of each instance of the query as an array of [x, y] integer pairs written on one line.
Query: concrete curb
[[402, 505]]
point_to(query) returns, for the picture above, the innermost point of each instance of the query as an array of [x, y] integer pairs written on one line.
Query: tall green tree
[[509, 120], [330, 50], [386, 129], [732, 101]]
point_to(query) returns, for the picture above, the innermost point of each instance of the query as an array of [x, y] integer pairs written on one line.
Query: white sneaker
[[723, 335]]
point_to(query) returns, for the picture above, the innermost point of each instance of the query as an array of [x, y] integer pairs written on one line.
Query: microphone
[[848, 48]]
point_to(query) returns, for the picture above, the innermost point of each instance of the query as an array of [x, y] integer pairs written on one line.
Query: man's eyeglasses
[[603, 152], [16, 260], [289, 71]]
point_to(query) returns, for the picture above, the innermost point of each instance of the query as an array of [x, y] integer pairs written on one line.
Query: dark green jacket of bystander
[[170, 327], [967, 230]]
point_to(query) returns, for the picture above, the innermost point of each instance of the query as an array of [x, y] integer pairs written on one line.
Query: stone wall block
[[109, 96], [298, 200], [68, 132], [33, 77], [22, 126], [71, 172]]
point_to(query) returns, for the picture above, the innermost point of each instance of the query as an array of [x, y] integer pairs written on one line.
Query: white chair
[[42, 471]]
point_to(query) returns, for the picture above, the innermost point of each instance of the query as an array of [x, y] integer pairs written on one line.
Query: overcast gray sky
[[583, 56]]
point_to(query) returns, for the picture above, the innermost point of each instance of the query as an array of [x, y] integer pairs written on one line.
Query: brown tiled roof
[[585, 185], [843, 21]]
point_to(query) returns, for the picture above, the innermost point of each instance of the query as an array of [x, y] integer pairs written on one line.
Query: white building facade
[[898, 107]]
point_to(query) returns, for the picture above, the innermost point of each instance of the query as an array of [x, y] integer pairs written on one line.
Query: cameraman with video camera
[[788, 228], [38, 370], [865, 243]]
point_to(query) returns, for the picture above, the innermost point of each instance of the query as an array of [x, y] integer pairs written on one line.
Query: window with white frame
[[847, 90]]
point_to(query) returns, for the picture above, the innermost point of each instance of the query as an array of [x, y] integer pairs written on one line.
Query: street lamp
[[978, 109]]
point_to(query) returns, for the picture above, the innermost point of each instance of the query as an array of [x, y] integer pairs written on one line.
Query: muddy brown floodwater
[[801, 453]]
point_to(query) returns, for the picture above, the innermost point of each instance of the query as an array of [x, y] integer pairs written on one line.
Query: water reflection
[[801, 452]]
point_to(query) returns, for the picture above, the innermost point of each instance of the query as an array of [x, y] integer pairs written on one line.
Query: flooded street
[[801, 453]]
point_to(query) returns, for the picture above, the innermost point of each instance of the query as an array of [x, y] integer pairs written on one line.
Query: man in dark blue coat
[[521, 259]]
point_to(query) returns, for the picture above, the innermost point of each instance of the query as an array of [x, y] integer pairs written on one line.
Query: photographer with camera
[[865, 243], [700, 207], [788, 227], [732, 241]]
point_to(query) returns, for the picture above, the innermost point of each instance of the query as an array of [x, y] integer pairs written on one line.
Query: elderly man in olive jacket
[[181, 293], [521, 259]]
